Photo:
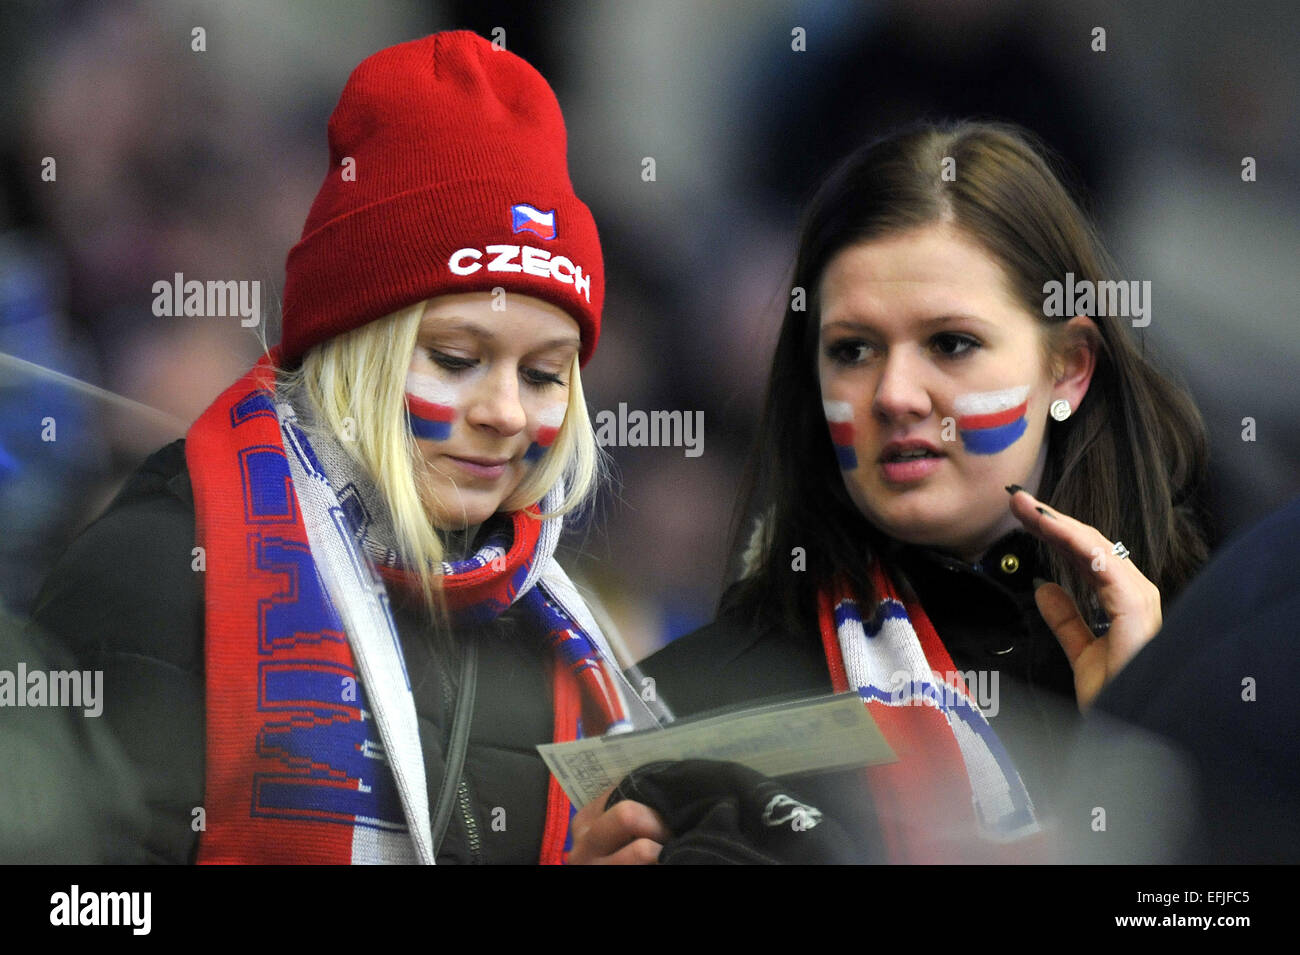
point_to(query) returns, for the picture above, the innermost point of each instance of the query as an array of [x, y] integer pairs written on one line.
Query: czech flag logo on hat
[[524, 218]]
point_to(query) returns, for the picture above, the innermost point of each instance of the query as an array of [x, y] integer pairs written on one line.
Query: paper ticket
[[820, 734]]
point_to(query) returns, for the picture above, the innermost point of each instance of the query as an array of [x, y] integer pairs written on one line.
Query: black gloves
[[725, 813]]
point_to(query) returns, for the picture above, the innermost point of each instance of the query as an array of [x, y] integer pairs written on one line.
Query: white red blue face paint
[[839, 415], [991, 421], [549, 421], [430, 406]]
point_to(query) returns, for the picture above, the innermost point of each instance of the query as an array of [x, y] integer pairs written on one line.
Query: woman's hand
[[628, 833], [1130, 600]]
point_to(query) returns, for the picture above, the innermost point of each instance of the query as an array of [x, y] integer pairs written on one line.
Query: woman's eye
[[848, 352], [541, 379], [451, 362], [952, 345]]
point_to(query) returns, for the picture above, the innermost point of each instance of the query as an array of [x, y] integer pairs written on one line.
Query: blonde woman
[[330, 621]]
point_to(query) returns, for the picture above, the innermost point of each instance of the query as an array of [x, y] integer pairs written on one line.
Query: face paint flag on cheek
[[430, 407], [991, 421], [839, 415], [549, 420]]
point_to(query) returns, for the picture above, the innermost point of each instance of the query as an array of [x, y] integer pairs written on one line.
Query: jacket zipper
[[471, 824], [472, 838]]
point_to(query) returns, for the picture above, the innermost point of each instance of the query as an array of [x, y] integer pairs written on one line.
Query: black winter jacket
[[985, 615], [125, 598]]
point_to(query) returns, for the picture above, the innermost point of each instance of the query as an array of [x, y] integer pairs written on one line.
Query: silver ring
[[1120, 551]]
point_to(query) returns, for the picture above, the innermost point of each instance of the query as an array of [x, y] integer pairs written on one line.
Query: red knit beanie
[[448, 174]]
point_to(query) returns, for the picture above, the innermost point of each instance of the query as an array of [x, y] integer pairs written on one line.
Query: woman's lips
[[486, 468], [909, 472]]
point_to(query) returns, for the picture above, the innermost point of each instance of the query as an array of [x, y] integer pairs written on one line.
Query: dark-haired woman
[[964, 509]]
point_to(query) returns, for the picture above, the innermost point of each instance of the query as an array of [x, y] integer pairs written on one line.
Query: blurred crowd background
[[170, 160]]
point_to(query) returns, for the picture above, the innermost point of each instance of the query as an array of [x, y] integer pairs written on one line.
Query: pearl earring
[[1060, 409]]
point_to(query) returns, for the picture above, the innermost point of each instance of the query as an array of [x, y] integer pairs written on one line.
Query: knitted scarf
[[313, 750], [953, 780]]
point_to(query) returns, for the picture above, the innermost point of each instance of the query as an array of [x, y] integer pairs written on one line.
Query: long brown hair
[[1128, 461]]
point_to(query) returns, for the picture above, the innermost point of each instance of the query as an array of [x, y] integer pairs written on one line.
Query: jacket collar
[[1011, 564]]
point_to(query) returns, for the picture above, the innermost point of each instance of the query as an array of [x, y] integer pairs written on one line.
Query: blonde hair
[[354, 385]]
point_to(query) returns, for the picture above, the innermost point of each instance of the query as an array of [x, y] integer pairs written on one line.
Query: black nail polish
[[1043, 511], [1012, 488]]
